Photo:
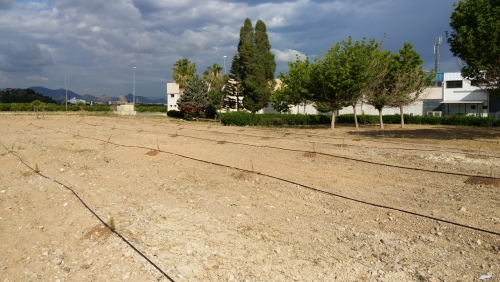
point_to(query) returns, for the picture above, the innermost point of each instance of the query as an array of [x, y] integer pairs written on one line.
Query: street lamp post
[[133, 90], [224, 64], [66, 87]]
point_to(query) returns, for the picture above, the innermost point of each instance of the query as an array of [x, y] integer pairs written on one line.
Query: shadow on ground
[[435, 132]]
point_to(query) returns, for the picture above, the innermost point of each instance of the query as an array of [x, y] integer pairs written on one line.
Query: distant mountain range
[[60, 94]]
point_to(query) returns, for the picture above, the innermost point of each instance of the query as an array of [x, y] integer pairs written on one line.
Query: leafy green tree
[[324, 81], [378, 91], [322, 107], [280, 99], [357, 63], [409, 79], [255, 65], [182, 72], [195, 100], [342, 76], [475, 39], [297, 81], [330, 78], [37, 105]]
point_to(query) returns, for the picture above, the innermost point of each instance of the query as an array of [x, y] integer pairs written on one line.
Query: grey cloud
[[5, 4], [23, 56], [98, 42]]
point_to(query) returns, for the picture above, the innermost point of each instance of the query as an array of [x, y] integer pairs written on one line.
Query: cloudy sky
[[96, 43]]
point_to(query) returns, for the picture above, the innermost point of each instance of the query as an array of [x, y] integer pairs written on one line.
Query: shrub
[[175, 114]]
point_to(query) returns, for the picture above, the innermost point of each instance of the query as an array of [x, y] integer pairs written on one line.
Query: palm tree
[[213, 73], [182, 72]]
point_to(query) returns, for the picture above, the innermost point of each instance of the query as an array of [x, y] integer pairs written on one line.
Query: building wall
[[453, 96], [413, 109], [172, 95]]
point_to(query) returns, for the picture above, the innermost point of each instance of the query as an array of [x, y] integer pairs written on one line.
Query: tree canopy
[[339, 77], [182, 72], [295, 85], [194, 101], [409, 80], [254, 65], [475, 40], [351, 72], [23, 96]]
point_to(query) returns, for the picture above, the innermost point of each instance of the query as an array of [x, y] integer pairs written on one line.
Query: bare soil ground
[[205, 202]]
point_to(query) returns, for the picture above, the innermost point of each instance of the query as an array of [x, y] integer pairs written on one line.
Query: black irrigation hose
[[93, 212], [335, 156], [306, 186], [327, 143]]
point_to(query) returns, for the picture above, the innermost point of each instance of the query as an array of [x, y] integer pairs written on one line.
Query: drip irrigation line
[[336, 156], [305, 186], [92, 211], [318, 142]]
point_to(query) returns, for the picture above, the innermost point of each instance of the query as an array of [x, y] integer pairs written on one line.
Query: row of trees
[[350, 72], [354, 72]]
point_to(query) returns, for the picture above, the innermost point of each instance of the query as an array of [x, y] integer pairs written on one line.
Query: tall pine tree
[[254, 65]]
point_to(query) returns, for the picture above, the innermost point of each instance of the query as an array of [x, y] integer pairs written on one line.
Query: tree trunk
[[381, 120], [333, 116], [402, 117], [355, 116]]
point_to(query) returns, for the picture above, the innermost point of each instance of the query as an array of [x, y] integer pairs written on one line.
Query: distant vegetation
[[24, 96], [50, 107]]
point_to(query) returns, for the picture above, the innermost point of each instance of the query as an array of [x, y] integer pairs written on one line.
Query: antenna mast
[[437, 55]]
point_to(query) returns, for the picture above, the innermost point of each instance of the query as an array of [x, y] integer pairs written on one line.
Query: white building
[[173, 94], [460, 97], [73, 101]]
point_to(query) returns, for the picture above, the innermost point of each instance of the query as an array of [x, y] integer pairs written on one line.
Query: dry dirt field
[[204, 202]]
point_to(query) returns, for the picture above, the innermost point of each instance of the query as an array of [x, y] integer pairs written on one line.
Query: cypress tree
[[254, 64]]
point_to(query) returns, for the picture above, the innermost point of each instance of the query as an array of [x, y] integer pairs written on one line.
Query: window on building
[[485, 107], [473, 107], [454, 84], [171, 95]]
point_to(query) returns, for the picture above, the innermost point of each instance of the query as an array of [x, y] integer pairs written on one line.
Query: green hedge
[[26, 107], [243, 118], [277, 120], [151, 109]]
